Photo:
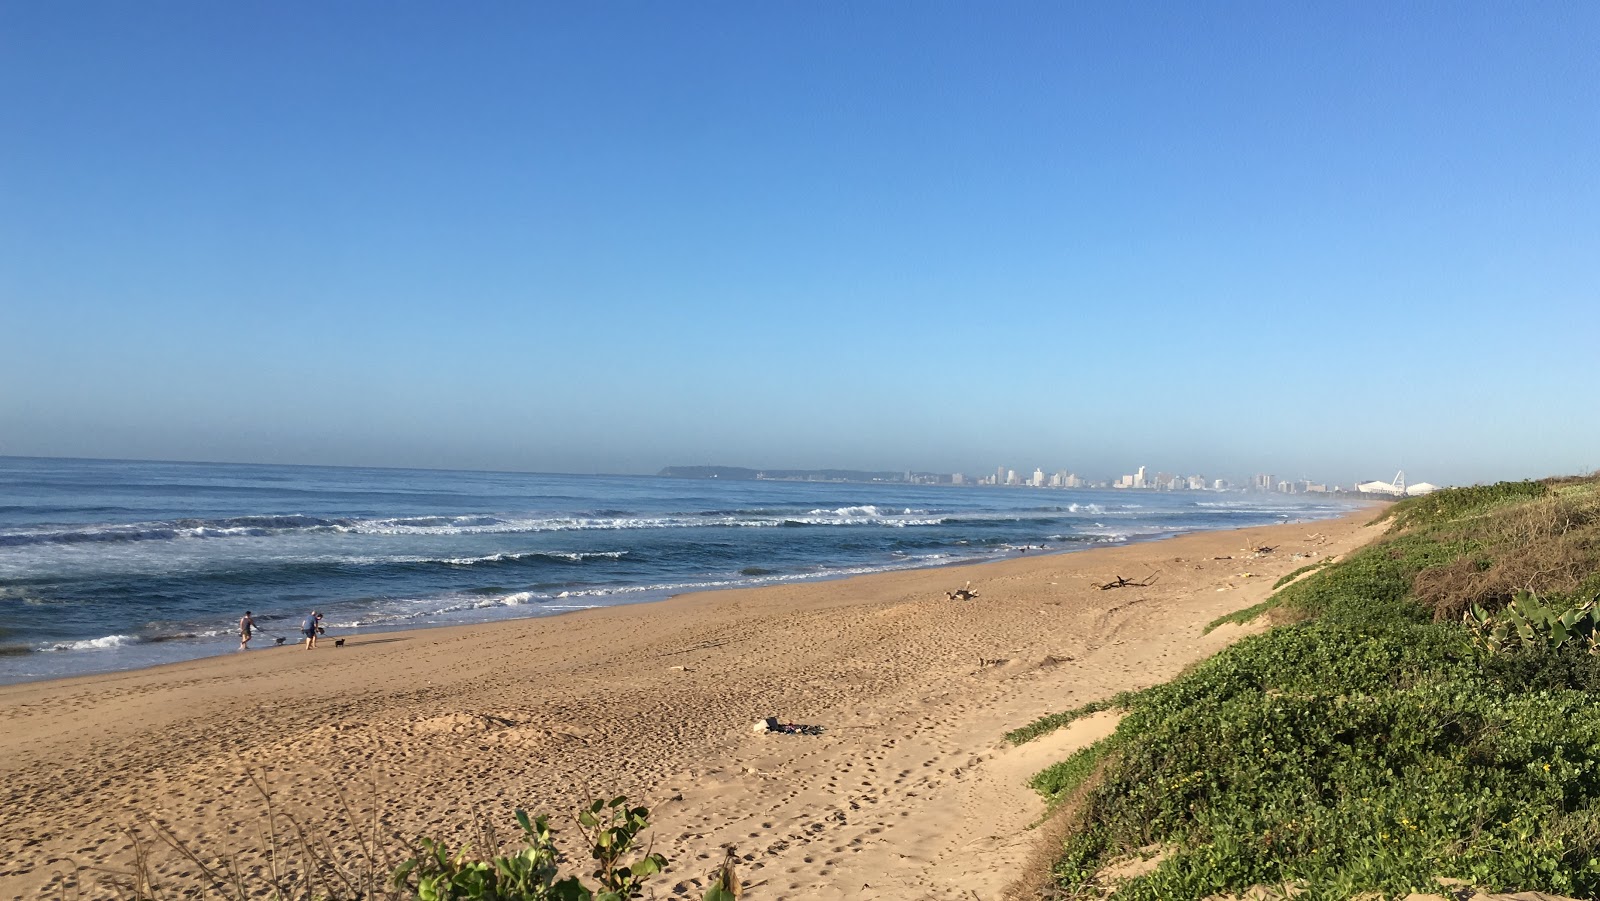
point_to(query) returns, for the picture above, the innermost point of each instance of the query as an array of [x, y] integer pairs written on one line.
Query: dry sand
[[910, 792]]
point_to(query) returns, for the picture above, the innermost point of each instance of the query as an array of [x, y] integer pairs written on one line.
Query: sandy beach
[[910, 792]]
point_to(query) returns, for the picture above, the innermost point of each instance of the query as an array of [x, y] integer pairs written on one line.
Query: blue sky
[[1314, 239]]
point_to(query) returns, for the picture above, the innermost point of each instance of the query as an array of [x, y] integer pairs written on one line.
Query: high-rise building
[[1138, 478]]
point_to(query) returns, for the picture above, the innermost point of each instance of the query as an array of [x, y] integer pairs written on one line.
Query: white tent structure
[[1397, 488]]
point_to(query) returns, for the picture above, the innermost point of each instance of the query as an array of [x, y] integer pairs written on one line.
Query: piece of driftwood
[[1122, 582], [964, 593], [1266, 550]]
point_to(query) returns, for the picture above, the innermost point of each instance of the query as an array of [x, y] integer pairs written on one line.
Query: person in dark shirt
[[247, 624], [310, 627]]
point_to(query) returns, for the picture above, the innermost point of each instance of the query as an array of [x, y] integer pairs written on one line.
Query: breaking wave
[[474, 524], [91, 644]]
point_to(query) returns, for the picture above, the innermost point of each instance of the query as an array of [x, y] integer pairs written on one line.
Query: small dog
[[338, 642], [278, 640]]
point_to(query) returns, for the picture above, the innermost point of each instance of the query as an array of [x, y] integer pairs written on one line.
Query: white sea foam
[[468, 524], [515, 599], [571, 556], [92, 644]]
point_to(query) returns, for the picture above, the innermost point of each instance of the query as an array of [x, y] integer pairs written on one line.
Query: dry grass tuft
[[289, 861], [1550, 546], [1036, 880]]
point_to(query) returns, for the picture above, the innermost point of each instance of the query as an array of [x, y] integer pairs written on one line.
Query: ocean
[[113, 565]]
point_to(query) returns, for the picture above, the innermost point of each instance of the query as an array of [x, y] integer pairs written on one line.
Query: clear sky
[[1324, 240]]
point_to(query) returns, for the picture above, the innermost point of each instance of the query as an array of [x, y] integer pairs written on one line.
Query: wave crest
[[91, 644]]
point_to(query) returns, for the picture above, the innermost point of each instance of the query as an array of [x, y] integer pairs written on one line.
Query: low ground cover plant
[[534, 871], [1376, 745]]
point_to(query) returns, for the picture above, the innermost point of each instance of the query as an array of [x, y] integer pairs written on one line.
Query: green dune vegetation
[[1427, 708]]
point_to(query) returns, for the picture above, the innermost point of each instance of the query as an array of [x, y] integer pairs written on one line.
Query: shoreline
[[365, 633], [654, 701]]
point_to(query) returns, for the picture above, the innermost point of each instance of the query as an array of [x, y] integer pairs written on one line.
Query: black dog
[[338, 642], [277, 641]]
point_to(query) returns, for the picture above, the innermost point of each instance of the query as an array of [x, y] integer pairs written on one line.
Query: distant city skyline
[[1003, 476], [1139, 480], [1332, 240]]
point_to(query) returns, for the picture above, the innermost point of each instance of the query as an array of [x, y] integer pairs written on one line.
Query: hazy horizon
[[1236, 479], [1318, 242]]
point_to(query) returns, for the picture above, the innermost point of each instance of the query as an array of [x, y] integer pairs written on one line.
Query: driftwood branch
[[1122, 582]]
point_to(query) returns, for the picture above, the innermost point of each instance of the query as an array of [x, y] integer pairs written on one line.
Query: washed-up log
[[1122, 582]]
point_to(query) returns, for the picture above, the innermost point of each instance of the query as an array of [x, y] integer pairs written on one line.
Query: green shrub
[[1341, 762], [1371, 747], [1061, 779], [610, 829]]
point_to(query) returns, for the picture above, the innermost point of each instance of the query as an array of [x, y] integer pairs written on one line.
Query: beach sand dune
[[909, 792]]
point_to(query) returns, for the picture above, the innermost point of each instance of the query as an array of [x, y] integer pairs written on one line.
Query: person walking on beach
[[246, 624], [310, 628]]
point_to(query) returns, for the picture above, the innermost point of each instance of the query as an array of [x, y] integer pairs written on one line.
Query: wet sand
[[910, 792]]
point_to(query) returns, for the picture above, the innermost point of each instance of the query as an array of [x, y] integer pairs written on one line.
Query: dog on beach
[[278, 640], [338, 642]]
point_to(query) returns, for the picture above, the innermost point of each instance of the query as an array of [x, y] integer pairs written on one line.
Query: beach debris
[[1124, 582], [770, 725], [964, 593], [1264, 550], [1223, 558], [984, 662]]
